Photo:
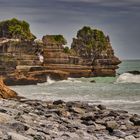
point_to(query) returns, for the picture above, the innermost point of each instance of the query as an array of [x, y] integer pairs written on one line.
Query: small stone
[[101, 107], [65, 114], [30, 131], [119, 133], [91, 129], [58, 102], [19, 127], [113, 113], [3, 110], [99, 127], [111, 125], [88, 123], [39, 137], [92, 81], [135, 119], [77, 110], [88, 117], [130, 138], [4, 118], [123, 127], [15, 136]]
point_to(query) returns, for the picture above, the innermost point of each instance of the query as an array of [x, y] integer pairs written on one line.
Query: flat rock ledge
[[58, 120]]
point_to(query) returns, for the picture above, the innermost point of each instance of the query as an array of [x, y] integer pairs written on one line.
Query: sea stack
[[23, 58], [95, 49]]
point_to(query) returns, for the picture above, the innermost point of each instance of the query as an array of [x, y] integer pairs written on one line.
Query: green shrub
[[15, 28]]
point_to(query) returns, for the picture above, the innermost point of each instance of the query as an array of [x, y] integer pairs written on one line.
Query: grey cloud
[[118, 18]]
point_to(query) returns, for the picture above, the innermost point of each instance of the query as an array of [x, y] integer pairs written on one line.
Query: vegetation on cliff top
[[15, 28], [54, 39], [89, 41]]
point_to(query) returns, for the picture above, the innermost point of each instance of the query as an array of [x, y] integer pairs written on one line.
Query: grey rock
[[130, 138], [135, 119], [58, 102], [111, 125], [119, 133], [15, 136], [101, 107]]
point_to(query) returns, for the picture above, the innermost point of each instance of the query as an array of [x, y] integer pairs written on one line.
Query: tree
[[15, 28], [89, 43]]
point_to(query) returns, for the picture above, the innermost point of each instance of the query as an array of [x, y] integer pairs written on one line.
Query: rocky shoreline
[[23, 119]]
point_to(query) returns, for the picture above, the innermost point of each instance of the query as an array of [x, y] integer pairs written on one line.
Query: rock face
[[30, 75], [90, 54], [56, 59], [95, 49], [6, 92]]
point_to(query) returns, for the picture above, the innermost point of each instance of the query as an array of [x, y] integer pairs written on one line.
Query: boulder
[[135, 119], [16, 136], [111, 125], [134, 72]]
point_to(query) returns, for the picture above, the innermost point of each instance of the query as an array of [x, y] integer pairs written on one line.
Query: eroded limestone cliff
[[96, 50], [26, 60]]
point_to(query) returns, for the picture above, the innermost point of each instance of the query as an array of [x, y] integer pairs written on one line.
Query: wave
[[128, 78], [70, 80], [50, 81]]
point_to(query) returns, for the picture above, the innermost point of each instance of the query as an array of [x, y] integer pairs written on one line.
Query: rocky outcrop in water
[[55, 58], [36, 120], [91, 54], [95, 49]]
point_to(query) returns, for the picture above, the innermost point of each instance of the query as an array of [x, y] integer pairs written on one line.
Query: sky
[[120, 19]]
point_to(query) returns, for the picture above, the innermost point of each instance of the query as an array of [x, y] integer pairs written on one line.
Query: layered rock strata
[[91, 54], [96, 50], [6, 92]]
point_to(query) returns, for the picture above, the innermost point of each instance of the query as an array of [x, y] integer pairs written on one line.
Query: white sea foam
[[128, 78], [71, 80], [49, 81]]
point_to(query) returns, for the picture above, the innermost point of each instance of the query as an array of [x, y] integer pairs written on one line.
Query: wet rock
[[3, 110], [113, 113], [119, 133], [135, 119], [88, 122], [111, 125], [58, 102], [134, 72], [15, 136], [77, 110], [39, 137], [60, 122], [92, 81], [4, 118], [130, 138], [99, 127], [88, 117], [101, 107], [19, 127]]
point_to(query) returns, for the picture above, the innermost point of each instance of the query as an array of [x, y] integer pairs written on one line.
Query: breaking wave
[[128, 78]]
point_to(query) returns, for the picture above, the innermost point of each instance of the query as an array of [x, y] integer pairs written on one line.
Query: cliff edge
[[90, 54]]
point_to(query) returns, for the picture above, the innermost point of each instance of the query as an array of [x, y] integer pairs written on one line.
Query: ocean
[[120, 92]]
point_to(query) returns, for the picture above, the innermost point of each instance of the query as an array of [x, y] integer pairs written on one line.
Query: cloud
[[118, 18]]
